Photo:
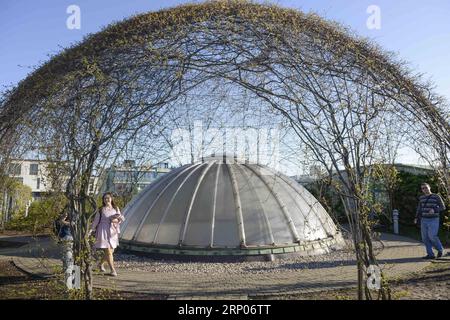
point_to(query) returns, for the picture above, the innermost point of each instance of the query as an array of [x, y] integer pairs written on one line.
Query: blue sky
[[418, 30]]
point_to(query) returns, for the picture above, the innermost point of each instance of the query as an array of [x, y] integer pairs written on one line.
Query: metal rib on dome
[[227, 208]]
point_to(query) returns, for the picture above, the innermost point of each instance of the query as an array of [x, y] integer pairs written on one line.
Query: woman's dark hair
[[112, 201]]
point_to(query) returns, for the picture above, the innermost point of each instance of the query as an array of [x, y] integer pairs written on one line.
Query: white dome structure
[[227, 208]]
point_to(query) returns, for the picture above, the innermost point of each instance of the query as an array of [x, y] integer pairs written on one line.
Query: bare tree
[[333, 89]]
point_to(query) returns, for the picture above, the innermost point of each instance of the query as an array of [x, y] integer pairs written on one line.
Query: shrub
[[407, 193], [41, 214]]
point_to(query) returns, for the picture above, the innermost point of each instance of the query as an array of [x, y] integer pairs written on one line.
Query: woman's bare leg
[[104, 258], [110, 252]]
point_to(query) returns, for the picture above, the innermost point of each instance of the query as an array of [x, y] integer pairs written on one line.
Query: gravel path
[[291, 276], [294, 263]]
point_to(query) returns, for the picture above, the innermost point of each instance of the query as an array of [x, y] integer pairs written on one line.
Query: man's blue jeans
[[430, 229]]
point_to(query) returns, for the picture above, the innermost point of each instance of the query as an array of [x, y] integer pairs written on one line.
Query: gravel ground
[[433, 283], [430, 283], [142, 263]]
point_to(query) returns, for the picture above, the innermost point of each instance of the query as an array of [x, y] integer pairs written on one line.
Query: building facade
[[32, 173], [35, 174], [129, 178]]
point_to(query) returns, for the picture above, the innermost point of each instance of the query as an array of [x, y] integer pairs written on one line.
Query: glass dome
[[227, 207]]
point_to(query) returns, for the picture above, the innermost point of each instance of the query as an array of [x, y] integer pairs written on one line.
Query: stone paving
[[400, 257]]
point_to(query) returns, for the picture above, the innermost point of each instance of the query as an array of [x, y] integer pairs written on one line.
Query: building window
[[15, 169], [36, 195], [129, 163], [38, 183], [34, 169]]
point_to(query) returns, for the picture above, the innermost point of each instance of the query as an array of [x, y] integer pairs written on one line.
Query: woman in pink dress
[[106, 227]]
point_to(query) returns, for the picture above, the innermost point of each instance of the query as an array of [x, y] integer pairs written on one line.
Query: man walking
[[428, 210]]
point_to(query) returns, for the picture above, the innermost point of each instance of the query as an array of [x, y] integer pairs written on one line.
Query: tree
[[333, 89], [15, 199], [41, 214]]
